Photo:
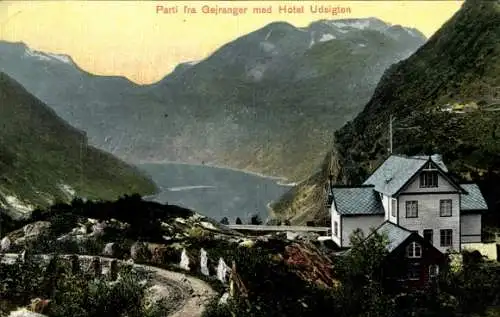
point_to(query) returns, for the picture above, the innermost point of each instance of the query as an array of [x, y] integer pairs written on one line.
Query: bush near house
[[473, 291]]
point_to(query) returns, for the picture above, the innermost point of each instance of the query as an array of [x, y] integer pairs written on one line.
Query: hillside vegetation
[[447, 92], [275, 275], [43, 159]]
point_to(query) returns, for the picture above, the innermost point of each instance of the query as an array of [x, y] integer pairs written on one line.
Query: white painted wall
[[429, 218], [386, 205], [364, 222], [335, 218], [470, 224], [443, 186], [395, 218]]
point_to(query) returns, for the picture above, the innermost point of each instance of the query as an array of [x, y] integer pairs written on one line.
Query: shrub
[[76, 294]]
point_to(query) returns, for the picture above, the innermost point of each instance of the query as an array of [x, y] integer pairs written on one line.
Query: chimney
[[437, 158], [330, 183]]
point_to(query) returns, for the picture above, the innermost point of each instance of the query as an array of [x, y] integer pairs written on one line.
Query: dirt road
[[186, 296]]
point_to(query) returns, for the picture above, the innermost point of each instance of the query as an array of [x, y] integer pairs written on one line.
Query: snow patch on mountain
[[361, 24], [268, 35], [412, 32], [50, 57], [257, 72], [30, 53], [327, 37], [312, 40], [267, 47], [61, 58]]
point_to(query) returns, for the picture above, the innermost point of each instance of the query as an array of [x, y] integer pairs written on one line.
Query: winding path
[[187, 296]]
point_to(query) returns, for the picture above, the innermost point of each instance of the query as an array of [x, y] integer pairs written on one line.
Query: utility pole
[[391, 132], [391, 120]]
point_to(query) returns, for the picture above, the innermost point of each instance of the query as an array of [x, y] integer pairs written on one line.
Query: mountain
[[268, 101], [447, 93], [43, 159]]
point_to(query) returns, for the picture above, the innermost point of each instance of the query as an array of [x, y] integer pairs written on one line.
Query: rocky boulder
[[139, 252], [24, 313], [36, 229], [5, 244], [110, 249]]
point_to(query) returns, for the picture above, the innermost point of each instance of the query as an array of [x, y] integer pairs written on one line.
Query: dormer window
[[428, 179], [414, 251]]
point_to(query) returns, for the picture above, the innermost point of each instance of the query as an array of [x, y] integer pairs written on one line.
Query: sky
[[145, 40]]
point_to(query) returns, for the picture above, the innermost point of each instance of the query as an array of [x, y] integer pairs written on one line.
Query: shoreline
[[281, 181]]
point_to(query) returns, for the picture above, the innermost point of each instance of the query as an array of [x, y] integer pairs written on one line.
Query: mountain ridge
[[265, 102], [43, 159]]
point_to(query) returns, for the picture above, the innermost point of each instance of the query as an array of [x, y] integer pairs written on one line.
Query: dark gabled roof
[[390, 177], [395, 234], [360, 200], [473, 199]]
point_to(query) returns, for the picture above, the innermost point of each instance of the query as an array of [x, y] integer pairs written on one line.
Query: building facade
[[415, 193]]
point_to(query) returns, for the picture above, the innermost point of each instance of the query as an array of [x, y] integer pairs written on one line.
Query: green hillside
[[43, 159], [446, 92]]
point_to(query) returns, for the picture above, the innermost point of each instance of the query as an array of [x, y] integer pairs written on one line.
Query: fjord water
[[213, 191]]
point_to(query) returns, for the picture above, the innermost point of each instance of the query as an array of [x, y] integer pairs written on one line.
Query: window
[[414, 271], [394, 207], [429, 166], [412, 209], [428, 235], [445, 208], [414, 251], [446, 237], [433, 270], [428, 179], [336, 228]]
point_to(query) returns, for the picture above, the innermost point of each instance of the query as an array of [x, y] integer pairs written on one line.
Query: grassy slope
[[38, 151], [459, 64]]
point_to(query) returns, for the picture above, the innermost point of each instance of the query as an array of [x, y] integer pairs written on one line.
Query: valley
[[267, 102]]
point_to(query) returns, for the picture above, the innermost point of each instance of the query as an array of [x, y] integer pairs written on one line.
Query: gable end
[[438, 169]]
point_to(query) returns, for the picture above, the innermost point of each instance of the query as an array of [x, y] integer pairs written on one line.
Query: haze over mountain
[[269, 101], [44, 160], [448, 91]]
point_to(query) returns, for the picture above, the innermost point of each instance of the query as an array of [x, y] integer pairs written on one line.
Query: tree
[[238, 221], [255, 220], [360, 273], [224, 221]]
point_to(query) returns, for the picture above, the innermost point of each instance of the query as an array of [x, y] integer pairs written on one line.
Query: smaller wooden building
[[412, 261]]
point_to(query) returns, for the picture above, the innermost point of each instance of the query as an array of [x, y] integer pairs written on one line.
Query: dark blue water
[[214, 192]]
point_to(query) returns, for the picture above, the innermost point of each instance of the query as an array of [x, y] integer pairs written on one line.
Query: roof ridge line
[[353, 186], [413, 157]]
